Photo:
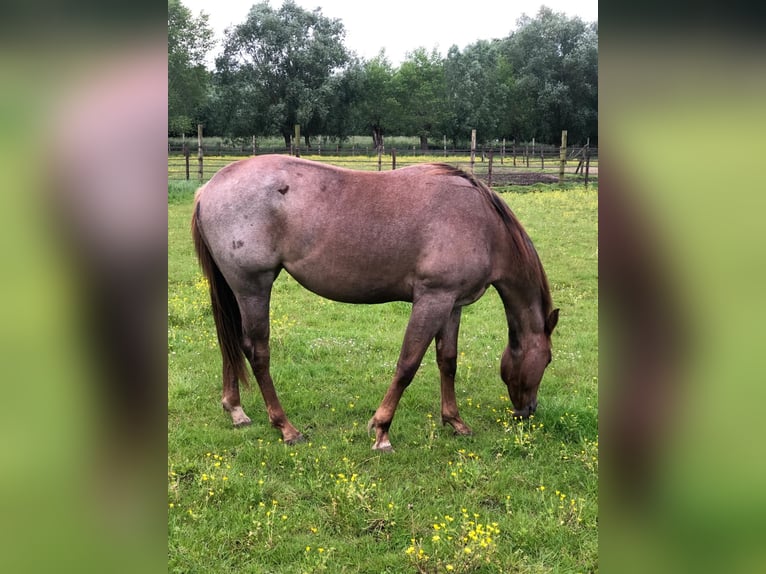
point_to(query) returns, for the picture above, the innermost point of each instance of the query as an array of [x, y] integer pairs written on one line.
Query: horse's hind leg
[[446, 359], [255, 321], [231, 402]]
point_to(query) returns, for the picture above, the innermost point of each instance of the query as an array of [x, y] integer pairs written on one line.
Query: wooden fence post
[[199, 151], [502, 153], [393, 158], [253, 145], [473, 148], [186, 158], [514, 153], [489, 169], [587, 164], [542, 160], [563, 155], [297, 140], [526, 155]]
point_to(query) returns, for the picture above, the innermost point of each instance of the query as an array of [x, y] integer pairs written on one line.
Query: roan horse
[[428, 234]]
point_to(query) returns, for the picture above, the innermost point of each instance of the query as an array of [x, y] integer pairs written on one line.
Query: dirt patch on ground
[[523, 178]]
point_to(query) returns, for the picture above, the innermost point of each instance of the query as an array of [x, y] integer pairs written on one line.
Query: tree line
[[287, 66]]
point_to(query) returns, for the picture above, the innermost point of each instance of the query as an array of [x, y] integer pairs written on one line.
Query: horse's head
[[522, 367]]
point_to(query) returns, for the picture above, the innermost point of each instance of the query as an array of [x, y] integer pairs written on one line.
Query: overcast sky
[[401, 26]]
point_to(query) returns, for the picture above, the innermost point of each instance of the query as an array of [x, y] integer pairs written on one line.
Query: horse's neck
[[523, 309]]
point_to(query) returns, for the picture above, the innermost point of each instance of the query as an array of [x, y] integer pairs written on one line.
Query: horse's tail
[[228, 321]]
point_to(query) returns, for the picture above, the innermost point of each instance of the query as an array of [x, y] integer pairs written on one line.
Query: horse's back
[[348, 235]]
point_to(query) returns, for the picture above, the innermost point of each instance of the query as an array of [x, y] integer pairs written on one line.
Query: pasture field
[[513, 497]]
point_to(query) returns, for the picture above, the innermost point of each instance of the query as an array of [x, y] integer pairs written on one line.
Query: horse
[[430, 234]]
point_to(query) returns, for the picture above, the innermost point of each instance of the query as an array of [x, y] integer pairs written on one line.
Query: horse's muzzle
[[525, 412]]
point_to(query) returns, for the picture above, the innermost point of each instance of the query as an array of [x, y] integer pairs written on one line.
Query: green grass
[[514, 497]]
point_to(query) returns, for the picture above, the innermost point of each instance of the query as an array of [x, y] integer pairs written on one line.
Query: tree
[[277, 70], [347, 90], [189, 40], [420, 89], [556, 62], [376, 110], [473, 99]]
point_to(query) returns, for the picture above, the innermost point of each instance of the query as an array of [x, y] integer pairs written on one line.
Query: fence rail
[[531, 150], [497, 166]]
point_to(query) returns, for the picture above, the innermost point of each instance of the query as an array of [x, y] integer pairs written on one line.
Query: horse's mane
[[528, 258]]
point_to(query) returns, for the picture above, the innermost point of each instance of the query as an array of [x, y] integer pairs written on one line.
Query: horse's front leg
[[429, 314], [446, 359], [255, 323]]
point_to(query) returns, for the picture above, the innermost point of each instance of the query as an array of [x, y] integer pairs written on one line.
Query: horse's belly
[[471, 296], [376, 265], [352, 285]]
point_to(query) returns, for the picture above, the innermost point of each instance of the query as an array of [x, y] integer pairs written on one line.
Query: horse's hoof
[[384, 446], [295, 440], [239, 418], [460, 428]]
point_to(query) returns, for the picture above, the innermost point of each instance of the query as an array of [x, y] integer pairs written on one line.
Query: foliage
[[420, 89], [540, 80], [555, 64], [521, 495], [377, 109], [474, 96], [287, 66], [189, 40], [276, 70], [346, 90]]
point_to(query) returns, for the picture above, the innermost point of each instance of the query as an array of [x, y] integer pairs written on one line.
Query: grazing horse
[[428, 234]]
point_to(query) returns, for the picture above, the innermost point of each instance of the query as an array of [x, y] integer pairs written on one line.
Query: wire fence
[[495, 165]]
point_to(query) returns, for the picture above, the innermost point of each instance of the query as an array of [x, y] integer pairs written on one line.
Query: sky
[[401, 26]]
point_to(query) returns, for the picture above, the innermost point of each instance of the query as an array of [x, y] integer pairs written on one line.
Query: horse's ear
[[551, 322]]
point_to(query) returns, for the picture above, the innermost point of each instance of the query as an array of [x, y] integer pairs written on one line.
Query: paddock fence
[[496, 165]]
